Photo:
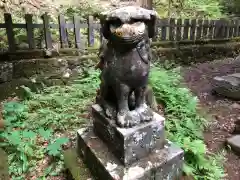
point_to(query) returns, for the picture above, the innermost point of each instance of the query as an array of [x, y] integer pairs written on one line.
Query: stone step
[[162, 164]]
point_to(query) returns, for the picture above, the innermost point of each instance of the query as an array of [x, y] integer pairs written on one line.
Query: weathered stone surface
[[77, 170], [4, 175], [53, 67], [25, 68], [6, 72], [35, 72], [12, 88], [237, 126], [129, 144], [234, 143], [228, 86], [161, 164]]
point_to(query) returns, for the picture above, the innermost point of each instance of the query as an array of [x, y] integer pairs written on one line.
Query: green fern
[[184, 125]]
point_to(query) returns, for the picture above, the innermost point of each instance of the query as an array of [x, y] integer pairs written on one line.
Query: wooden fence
[[176, 30]]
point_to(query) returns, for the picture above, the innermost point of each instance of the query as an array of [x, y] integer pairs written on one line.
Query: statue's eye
[[116, 22], [135, 20]]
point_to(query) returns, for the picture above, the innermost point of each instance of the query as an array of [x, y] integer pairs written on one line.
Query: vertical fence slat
[[179, 30], [222, 31], [155, 27], [76, 23], [199, 29], [172, 29], [90, 31], [30, 31], [186, 28], [216, 29], [164, 28], [219, 29], [63, 31], [226, 29], [47, 33], [236, 28], [230, 29], [211, 26], [205, 28], [193, 29], [10, 32]]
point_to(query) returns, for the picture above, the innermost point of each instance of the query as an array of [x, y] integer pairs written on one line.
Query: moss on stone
[[75, 165]]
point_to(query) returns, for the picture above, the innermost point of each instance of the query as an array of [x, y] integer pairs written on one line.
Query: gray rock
[[237, 126], [234, 143], [6, 72], [228, 86], [25, 68], [12, 88]]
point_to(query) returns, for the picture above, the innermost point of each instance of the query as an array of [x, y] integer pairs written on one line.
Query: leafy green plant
[[184, 125], [37, 127]]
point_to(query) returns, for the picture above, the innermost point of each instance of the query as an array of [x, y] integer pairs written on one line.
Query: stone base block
[[129, 144], [161, 164], [234, 143]]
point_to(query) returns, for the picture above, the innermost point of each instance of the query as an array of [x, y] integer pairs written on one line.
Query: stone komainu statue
[[125, 63]]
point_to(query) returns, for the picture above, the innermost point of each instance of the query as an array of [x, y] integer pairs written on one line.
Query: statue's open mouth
[[128, 33]]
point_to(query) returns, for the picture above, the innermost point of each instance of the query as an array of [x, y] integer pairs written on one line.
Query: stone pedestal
[[141, 152], [129, 144]]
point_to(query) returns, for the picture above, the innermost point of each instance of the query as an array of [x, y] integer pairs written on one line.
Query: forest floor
[[225, 112]]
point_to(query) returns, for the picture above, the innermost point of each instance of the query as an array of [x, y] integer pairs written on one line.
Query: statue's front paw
[[145, 113], [129, 119]]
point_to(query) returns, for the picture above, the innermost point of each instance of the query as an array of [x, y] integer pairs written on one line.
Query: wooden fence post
[[199, 29], [179, 30], [205, 28], [231, 29], [226, 29], [10, 32], [76, 24], [218, 29], [62, 31], [30, 32], [90, 31], [211, 26], [164, 25], [172, 29], [186, 29], [193, 29], [47, 33], [236, 28]]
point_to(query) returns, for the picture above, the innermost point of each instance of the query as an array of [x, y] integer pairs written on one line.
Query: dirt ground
[[225, 112]]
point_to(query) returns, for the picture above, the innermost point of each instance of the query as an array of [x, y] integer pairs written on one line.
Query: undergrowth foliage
[[184, 125], [42, 124], [39, 126]]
